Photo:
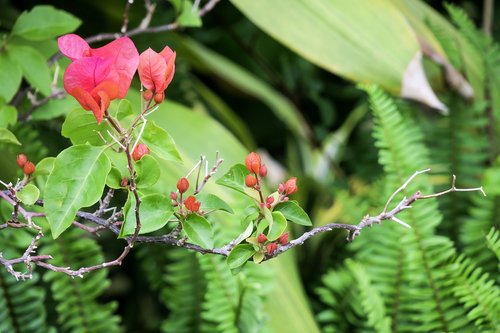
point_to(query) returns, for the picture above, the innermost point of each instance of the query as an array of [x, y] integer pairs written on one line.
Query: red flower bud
[[173, 196], [182, 185], [147, 95], [283, 239], [261, 238], [159, 97], [252, 162], [21, 160], [191, 204], [271, 247], [263, 170], [28, 168], [269, 200], [250, 180], [281, 188], [124, 182], [291, 186], [140, 151]]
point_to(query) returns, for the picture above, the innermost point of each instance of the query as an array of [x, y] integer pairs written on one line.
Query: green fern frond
[[484, 214], [176, 277], [183, 291], [479, 294], [335, 295], [22, 305], [410, 268], [493, 241], [466, 26], [372, 302], [459, 147], [231, 302], [77, 306]]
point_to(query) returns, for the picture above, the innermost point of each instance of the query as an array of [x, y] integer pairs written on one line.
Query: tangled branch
[[173, 238]]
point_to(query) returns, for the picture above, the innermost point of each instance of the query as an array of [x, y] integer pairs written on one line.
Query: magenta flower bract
[[97, 76]]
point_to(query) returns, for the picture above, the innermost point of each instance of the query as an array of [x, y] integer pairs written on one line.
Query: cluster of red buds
[[272, 246], [27, 166], [190, 202], [258, 171], [289, 187], [139, 151]]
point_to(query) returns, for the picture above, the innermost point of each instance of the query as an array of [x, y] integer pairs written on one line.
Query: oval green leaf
[[81, 127], [8, 116], [77, 180], [278, 226], [28, 194], [45, 166], [239, 255], [33, 65], [294, 213], [8, 137], [160, 143], [44, 22], [210, 202], [114, 179], [10, 77], [199, 231], [234, 178], [155, 211], [148, 171], [258, 257]]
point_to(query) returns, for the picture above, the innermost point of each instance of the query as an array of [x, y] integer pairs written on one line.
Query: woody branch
[[353, 230]]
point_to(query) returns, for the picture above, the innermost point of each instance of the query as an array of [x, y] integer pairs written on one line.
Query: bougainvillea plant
[[119, 149]]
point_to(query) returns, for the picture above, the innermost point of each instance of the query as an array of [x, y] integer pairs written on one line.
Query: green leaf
[[379, 33], [148, 171], [268, 216], [187, 17], [258, 257], [8, 116], [114, 179], [160, 142], [253, 241], [123, 111], [28, 194], [55, 108], [10, 77], [246, 233], [234, 178], [239, 255], [211, 202], [155, 211], [199, 231], [81, 127], [33, 65], [118, 161], [278, 226], [76, 181], [8, 137], [45, 166], [294, 213], [44, 22]]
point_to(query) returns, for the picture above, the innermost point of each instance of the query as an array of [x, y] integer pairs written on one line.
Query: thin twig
[[172, 238], [125, 16]]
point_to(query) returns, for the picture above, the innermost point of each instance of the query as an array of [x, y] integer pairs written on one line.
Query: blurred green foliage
[[238, 89]]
